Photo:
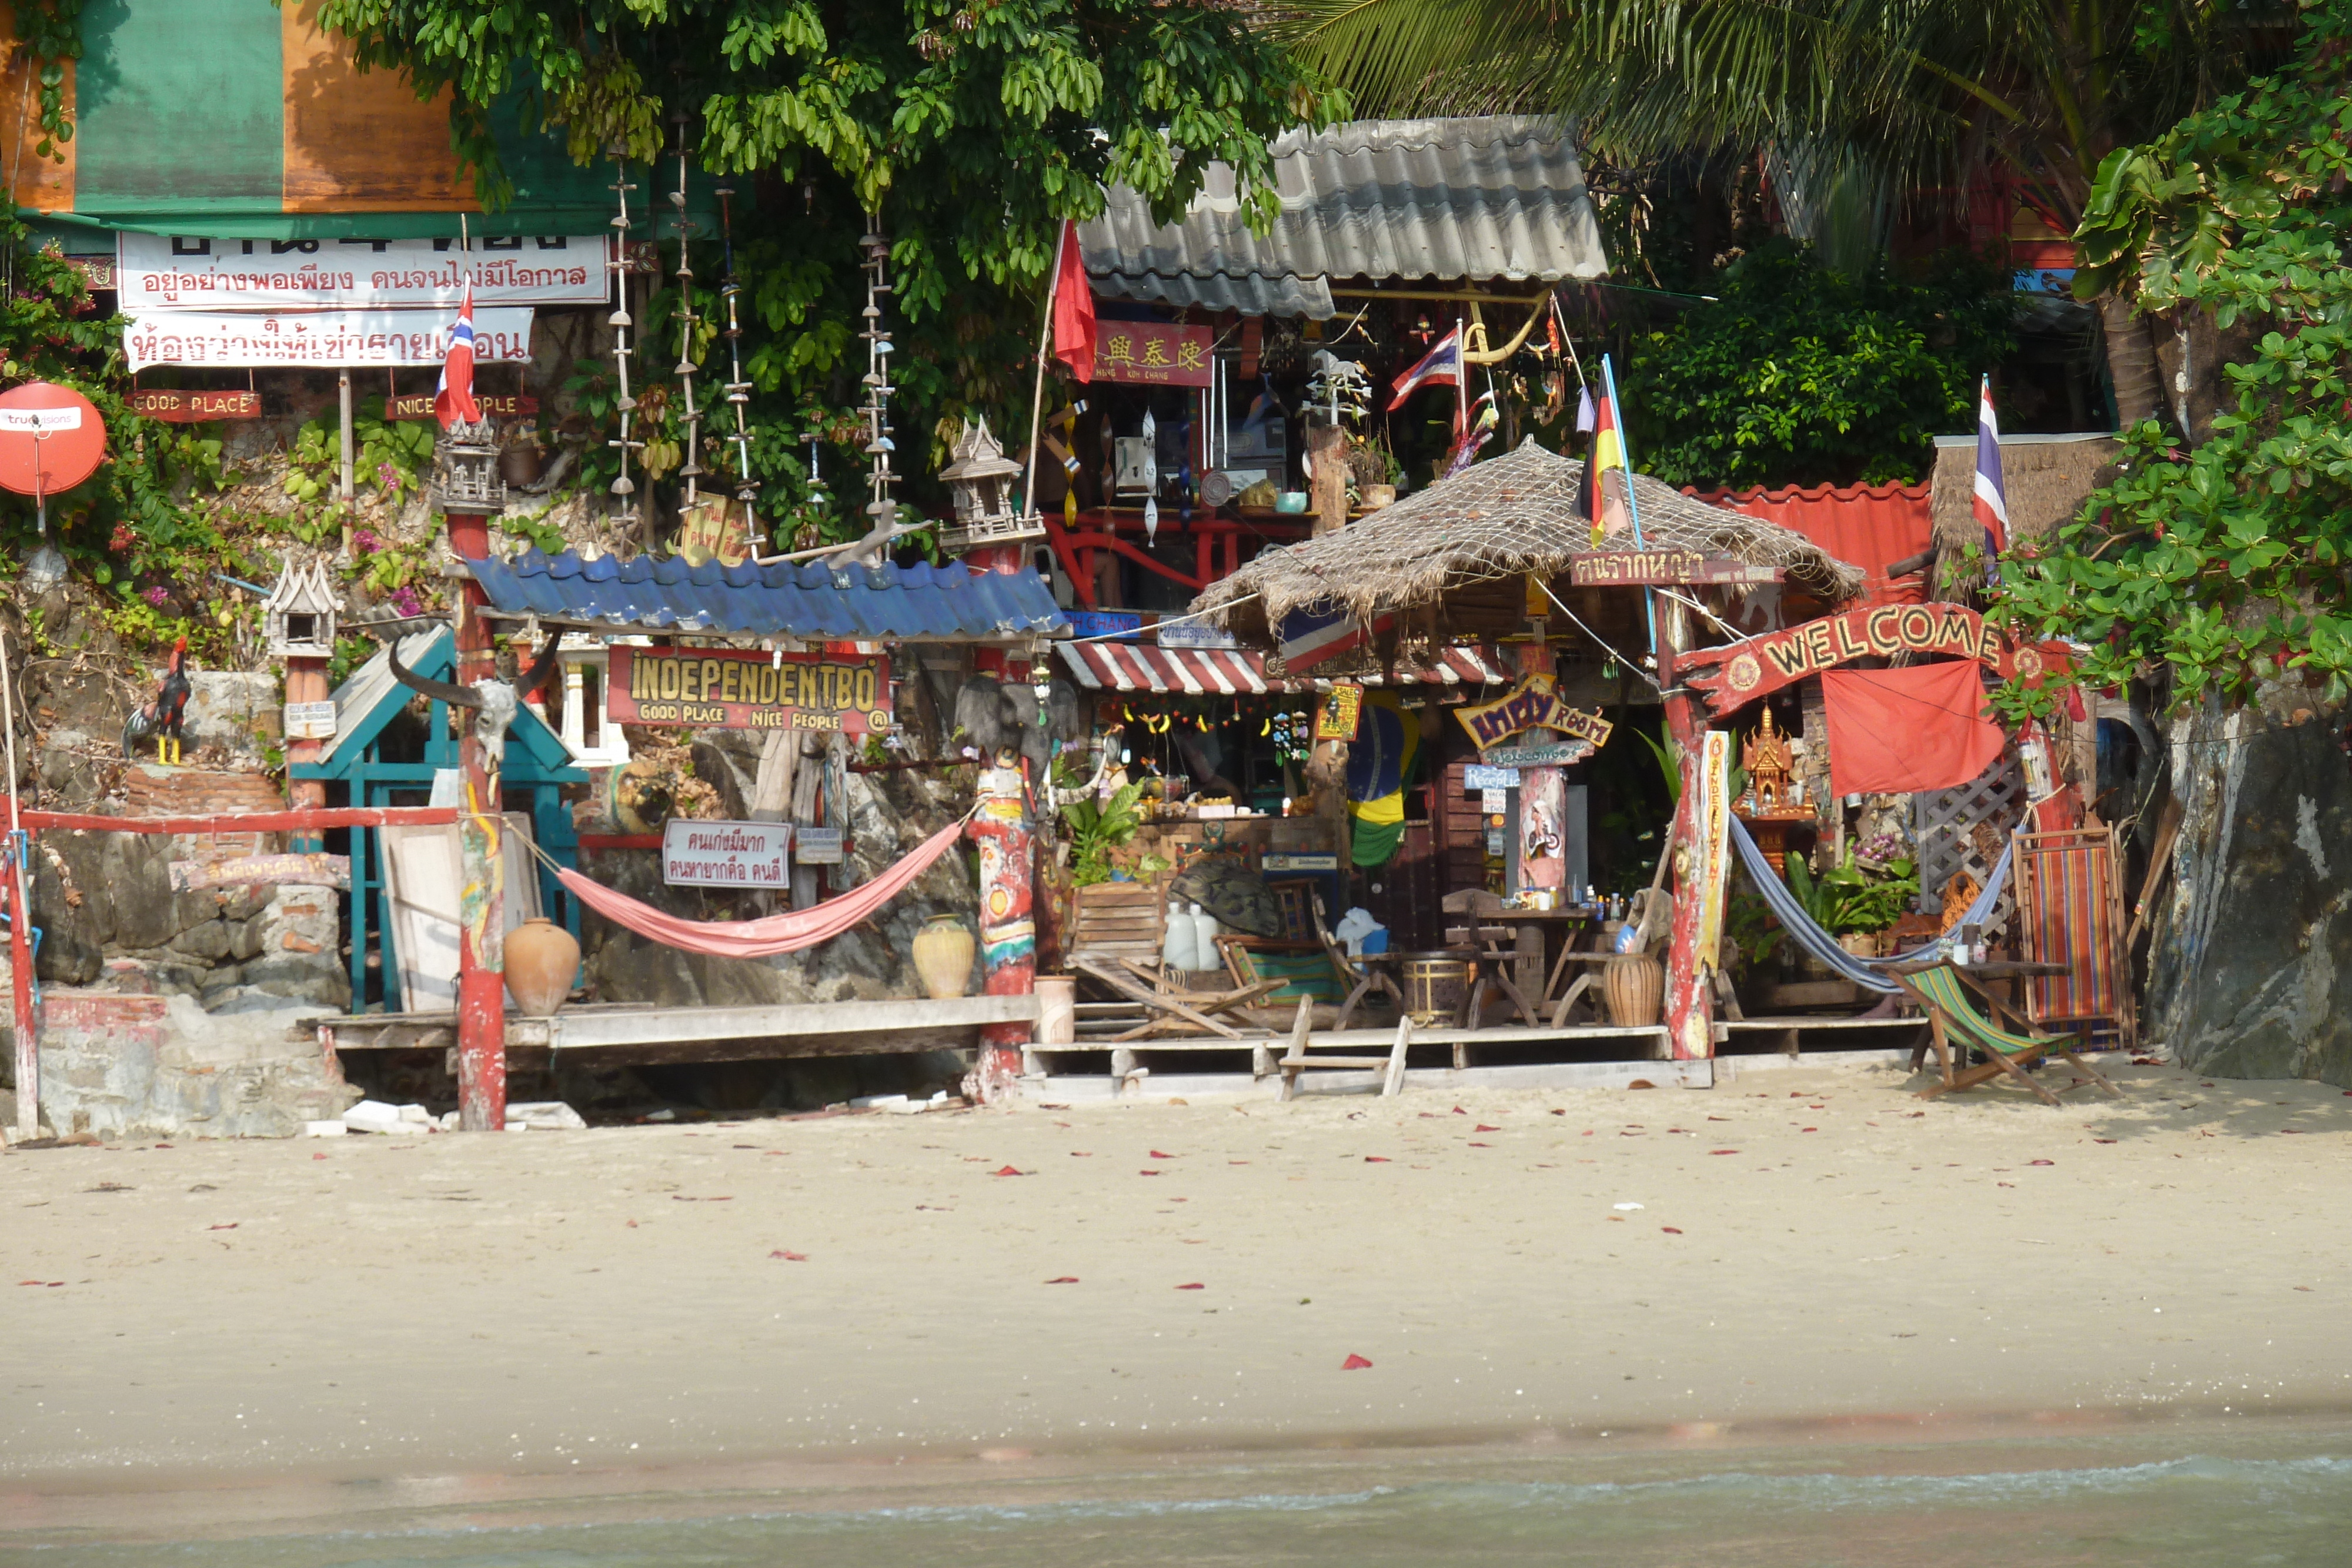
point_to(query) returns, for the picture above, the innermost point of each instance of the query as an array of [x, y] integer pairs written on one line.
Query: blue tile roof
[[813, 600]]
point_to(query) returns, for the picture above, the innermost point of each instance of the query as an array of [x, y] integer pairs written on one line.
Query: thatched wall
[[2044, 479]]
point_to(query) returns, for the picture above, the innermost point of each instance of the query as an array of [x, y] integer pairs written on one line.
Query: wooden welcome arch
[[1737, 674]]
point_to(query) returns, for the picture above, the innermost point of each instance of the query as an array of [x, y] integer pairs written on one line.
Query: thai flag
[[453, 400], [1441, 366], [1990, 501], [1312, 635]]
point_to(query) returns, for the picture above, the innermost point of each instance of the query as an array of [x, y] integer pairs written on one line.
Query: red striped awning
[[1227, 672]]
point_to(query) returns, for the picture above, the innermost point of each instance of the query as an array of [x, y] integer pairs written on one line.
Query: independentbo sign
[[738, 688]]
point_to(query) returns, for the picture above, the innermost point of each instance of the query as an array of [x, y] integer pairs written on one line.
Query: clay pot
[[1861, 944], [523, 464], [943, 954], [1635, 986], [542, 960]]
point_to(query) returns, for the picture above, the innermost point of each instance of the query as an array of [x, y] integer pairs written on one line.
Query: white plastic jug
[[1181, 948], [1205, 932]]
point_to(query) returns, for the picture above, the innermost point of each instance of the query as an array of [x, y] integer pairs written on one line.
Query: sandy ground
[[1809, 1244]]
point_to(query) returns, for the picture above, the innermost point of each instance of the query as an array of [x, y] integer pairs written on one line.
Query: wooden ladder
[[1296, 1059]]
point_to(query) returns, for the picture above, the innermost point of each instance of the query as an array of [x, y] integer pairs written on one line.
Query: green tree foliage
[[1798, 375], [2223, 566], [971, 129]]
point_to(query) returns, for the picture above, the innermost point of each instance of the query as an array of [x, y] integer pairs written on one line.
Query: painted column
[[306, 682], [20, 984], [1002, 828], [1543, 791], [481, 905], [1698, 873]]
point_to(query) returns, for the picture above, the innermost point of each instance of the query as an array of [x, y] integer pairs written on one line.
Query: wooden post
[[1690, 990], [481, 905], [1326, 447], [306, 682]]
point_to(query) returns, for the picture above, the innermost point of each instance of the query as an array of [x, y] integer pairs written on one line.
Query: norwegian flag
[[1989, 500], [453, 400]]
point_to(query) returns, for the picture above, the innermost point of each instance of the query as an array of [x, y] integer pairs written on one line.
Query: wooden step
[[1348, 1061]]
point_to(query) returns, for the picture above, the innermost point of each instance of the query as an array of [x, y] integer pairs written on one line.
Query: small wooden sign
[[176, 407], [288, 870], [1153, 353], [1530, 704], [817, 846], [1612, 568], [311, 721], [494, 405], [715, 529], [1515, 756], [1489, 776], [1342, 711]]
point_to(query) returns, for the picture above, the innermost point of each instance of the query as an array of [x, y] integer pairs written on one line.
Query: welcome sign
[[735, 688], [1737, 674]]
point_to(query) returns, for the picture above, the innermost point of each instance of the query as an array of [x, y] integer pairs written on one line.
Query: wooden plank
[[590, 1030], [1125, 986]]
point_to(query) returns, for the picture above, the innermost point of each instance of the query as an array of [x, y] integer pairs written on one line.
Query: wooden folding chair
[[1942, 992]]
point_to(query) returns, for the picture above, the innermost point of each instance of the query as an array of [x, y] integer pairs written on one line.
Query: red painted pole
[[20, 984], [306, 682], [481, 907], [313, 821], [1690, 987]]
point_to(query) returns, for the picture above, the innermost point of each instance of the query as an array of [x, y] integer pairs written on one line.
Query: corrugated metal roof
[[1871, 526], [355, 700], [1221, 672], [815, 601], [1497, 198]]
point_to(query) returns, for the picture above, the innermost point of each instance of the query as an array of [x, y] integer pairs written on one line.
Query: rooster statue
[[162, 717]]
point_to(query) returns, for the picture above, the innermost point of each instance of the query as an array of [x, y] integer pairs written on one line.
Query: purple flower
[[406, 602], [387, 477], [365, 541], [158, 597]]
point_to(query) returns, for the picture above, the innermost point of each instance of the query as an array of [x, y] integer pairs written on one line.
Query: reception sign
[[1733, 675], [319, 339], [733, 689], [165, 272]]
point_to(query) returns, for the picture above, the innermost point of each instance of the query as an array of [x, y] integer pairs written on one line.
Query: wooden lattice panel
[[1966, 828]]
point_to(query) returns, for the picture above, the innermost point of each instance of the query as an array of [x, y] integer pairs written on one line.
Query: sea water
[[2236, 1498]]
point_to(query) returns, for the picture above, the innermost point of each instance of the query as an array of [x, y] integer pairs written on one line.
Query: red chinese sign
[[1734, 676], [1154, 353], [495, 405], [735, 688], [175, 406]]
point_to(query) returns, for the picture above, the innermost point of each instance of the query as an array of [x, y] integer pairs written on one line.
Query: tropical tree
[[1910, 97], [968, 131]]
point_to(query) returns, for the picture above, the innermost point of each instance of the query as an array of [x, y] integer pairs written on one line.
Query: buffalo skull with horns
[[494, 702]]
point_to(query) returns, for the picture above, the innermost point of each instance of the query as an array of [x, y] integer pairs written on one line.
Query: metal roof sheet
[[1224, 672], [355, 700], [1499, 197], [813, 600]]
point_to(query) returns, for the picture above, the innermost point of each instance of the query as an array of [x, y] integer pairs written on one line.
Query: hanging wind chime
[[878, 349], [739, 390], [691, 469], [622, 485]]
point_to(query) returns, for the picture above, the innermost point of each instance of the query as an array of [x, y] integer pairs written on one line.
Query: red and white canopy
[[1225, 672]]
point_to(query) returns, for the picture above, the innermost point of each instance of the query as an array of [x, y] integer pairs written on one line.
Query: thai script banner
[[725, 854], [167, 272], [1603, 568], [319, 339], [733, 689]]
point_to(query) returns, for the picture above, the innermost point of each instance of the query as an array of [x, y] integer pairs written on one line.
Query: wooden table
[[1526, 955]]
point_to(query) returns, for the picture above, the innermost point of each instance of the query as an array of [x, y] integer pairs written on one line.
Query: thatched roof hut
[[1493, 524]]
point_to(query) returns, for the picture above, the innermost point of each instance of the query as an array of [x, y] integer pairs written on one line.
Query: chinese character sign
[[1153, 353]]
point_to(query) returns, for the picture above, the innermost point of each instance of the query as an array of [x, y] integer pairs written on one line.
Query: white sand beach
[[1810, 1246]]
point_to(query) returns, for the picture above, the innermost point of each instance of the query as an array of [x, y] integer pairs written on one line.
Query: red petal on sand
[[318, 1157], [1460, 1111], [34, 1282], [2284, 1131], [1671, 1230], [1062, 1279], [2041, 1162], [1809, 1129], [1723, 1151], [1376, 1159], [1587, 1131], [790, 1257], [1158, 1155], [230, 1226], [1482, 1127], [1082, 1153], [1476, 1145], [1147, 1173], [2103, 1140], [1195, 1285], [1354, 1364], [1007, 1170], [1563, 1111]]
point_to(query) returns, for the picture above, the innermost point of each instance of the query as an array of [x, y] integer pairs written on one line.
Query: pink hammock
[[787, 933]]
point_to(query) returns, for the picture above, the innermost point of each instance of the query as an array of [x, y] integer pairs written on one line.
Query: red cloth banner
[[1892, 732], [1074, 307]]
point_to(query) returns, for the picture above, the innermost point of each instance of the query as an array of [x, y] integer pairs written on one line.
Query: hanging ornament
[[691, 470], [626, 405], [739, 390], [1150, 478]]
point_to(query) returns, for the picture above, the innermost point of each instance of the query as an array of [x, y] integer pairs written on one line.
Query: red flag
[[1074, 307], [453, 400], [1894, 732]]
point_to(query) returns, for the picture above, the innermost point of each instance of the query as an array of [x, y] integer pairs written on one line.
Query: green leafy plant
[[1848, 898], [1096, 829], [388, 456]]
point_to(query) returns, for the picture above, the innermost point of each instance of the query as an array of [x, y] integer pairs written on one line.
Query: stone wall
[[890, 814]]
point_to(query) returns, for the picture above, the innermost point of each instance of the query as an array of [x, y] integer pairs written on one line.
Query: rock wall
[[149, 1066], [890, 814], [2253, 938]]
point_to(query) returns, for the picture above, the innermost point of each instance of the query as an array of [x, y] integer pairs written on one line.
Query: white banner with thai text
[[319, 339], [167, 272], [725, 854]]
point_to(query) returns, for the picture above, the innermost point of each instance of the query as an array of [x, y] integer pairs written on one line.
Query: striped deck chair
[[2070, 909], [1942, 993]]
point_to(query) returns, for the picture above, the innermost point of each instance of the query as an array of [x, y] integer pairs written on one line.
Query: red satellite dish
[[51, 439]]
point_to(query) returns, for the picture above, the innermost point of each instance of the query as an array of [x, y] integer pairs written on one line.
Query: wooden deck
[[625, 1032]]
